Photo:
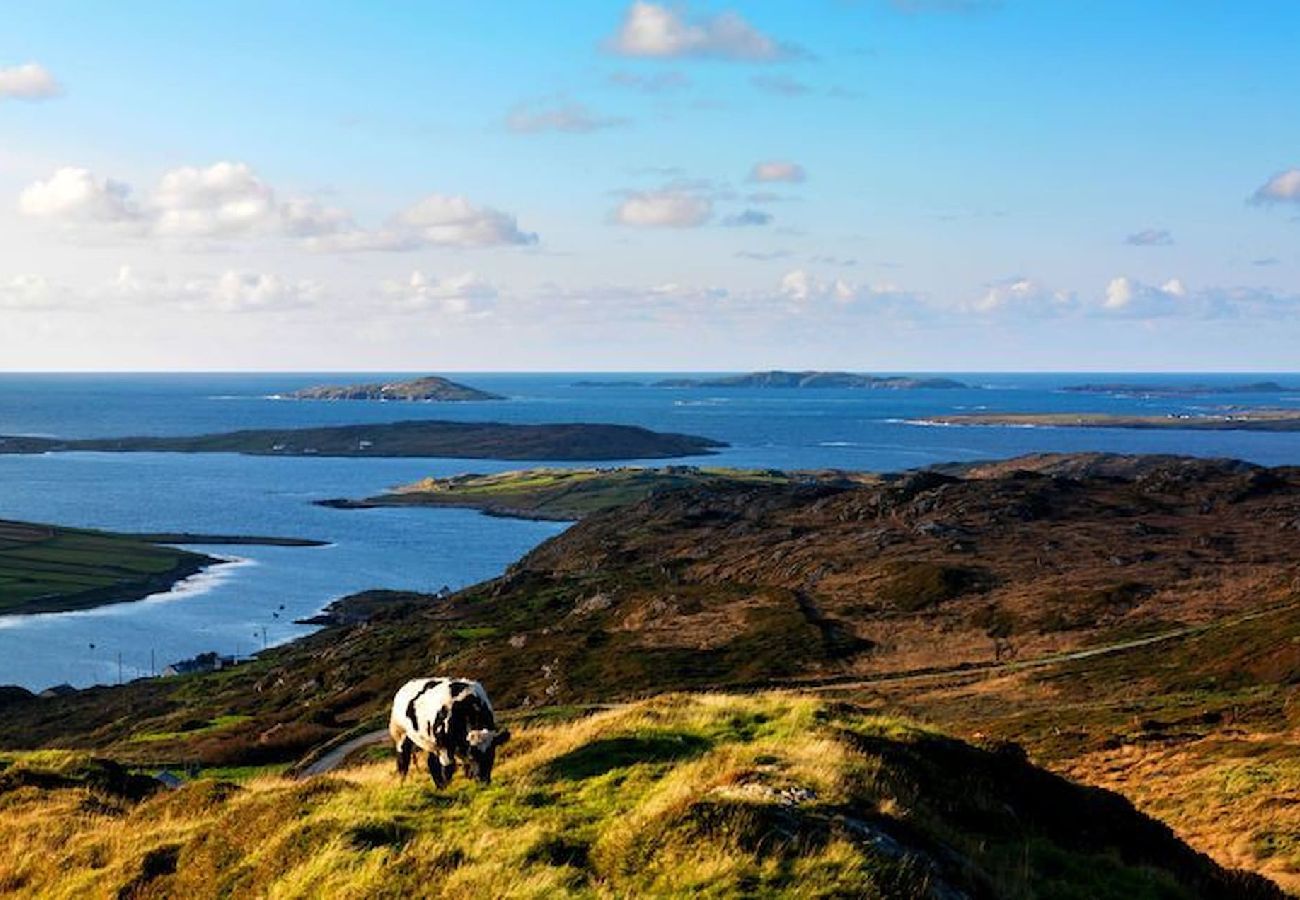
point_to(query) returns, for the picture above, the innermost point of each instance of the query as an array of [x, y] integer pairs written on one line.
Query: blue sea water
[[238, 607]]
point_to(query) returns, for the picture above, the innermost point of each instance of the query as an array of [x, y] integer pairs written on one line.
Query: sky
[[873, 185]]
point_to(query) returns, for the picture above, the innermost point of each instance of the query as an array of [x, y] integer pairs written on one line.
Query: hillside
[[729, 796], [428, 438], [429, 389], [1106, 612], [44, 568]]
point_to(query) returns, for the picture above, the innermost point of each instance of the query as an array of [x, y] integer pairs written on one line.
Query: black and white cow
[[449, 719]]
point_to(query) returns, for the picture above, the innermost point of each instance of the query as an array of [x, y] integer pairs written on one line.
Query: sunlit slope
[[716, 795]]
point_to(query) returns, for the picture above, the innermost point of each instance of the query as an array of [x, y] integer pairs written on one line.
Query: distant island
[[568, 494], [1182, 390], [433, 438], [780, 379], [1231, 420], [429, 389]]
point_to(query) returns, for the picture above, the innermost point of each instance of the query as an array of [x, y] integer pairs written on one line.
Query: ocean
[[252, 601]]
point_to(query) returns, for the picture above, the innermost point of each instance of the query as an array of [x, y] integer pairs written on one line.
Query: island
[[429, 389], [419, 438], [570, 494], [1181, 390], [607, 384], [781, 379], [1228, 420]]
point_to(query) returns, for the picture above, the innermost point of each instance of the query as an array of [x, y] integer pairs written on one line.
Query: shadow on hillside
[[603, 756]]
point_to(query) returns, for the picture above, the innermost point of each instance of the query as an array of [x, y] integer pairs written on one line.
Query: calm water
[[234, 608]]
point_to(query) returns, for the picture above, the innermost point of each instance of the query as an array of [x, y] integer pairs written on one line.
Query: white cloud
[[572, 118], [30, 81], [228, 200], [1284, 187], [449, 221], [656, 31], [803, 290], [1130, 297], [32, 293], [1024, 296], [664, 209], [223, 199], [230, 292], [458, 295], [75, 195], [777, 170]]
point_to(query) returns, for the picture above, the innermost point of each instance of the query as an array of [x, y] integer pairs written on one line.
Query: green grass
[[45, 568], [708, 795]]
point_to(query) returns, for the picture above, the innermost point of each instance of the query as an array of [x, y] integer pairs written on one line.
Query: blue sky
[[875, 185]]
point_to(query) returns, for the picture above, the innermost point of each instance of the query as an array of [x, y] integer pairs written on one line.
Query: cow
[[449, 719]]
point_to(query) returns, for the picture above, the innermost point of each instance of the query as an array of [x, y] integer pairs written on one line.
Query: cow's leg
[[441, 777], [404, 751]]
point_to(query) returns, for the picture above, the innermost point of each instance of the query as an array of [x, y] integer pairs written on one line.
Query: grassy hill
[[1113, 617], [707, 795], [44, 568]]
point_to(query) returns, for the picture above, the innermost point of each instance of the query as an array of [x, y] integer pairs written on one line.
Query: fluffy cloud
[[1284, 187], [664, 209], [777, 170], [803, 290], [223, 199], [77, 196], [656, 31], [1130, 297], [230, 292], [31, 293], [459, 295], [1024, 296], [30, 81], [452, 221], [229, 200], [1150, 237], [748, 217], [573, 118]]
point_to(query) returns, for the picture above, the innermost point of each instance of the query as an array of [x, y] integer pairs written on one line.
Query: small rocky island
[[812, 379], [429, 389]]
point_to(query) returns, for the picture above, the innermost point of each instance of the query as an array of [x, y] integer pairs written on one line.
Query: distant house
[[170, 779], [204, 662]]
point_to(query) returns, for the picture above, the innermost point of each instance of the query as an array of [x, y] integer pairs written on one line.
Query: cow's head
[[483, 743]]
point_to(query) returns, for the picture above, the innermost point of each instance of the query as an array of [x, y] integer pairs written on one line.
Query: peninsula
[[813, 379], [419, 438], [569, 494], [45, 568], [1228, 420], [429, 389]]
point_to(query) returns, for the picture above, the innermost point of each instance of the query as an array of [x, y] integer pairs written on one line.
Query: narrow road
[[332, 759]]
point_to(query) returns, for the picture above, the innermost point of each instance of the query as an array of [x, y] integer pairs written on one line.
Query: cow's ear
[[501, 737]]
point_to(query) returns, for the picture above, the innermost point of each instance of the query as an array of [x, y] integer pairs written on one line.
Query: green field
[[44, 568]]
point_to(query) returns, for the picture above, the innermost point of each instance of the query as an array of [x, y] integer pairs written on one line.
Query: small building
[[204, 662]]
